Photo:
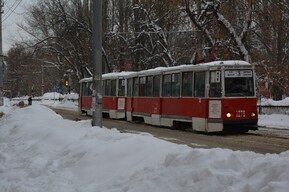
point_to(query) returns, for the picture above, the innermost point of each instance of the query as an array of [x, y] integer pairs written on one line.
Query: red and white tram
[[208, 97]]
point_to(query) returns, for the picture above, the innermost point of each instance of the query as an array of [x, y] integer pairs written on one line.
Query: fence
[[268, 110], [40, 99]]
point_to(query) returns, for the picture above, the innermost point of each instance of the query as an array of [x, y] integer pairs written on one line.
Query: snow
[[271, 102], [277, 121], [68, 101], [40, 152]]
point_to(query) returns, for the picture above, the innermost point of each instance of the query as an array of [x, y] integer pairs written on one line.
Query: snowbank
[[52, 96], [40, 152], [271, 102]]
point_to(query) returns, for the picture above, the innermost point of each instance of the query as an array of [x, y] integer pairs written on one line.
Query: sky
[[40, 151], [14, 11]]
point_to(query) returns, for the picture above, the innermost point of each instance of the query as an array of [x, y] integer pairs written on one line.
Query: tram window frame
[[172, 85], [135, 86], [200, 84], [215, 84], [142, 86], [187, 84], [121, 87], [108, 87], [129, 87], [176, 84], [84, 89], [167, 85], [103, 86], [113, 87], [90, 88], [156, 85], [149, 86]]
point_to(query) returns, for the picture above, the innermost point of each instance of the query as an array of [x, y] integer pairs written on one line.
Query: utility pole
[[1, 58], [97, 62]]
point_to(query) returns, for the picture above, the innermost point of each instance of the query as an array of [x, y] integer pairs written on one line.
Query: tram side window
[[187, 88], [135, 86], [215, 84], [90, 89], [121, 87], [156, 86], [107, 87], [113, 87], [199, 84], [167, 91], [176, 84], [149, 86], [87, 89], [103, 87], [84, 89], [142, 86], [129, 87]]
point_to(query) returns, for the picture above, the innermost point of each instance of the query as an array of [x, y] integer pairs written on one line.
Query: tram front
[[233, 102]]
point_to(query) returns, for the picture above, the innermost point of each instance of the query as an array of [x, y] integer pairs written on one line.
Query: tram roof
[[113, 75], [200, 66], [159, 70]]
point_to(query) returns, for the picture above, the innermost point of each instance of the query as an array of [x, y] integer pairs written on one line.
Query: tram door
[[129, 99], [215, 102], [121, 100], [200, 102]]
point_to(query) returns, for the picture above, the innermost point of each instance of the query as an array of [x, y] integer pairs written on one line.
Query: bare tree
[[23, 75], [62, 32], [272, 18], [206, 13]]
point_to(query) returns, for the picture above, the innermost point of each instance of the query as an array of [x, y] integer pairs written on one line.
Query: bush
[[21, 104]]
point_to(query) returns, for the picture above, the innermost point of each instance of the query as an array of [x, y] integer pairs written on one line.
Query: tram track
[[264, 140], [271, 132]]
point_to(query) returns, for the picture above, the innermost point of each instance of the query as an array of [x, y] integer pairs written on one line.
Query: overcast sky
[[14, 11]]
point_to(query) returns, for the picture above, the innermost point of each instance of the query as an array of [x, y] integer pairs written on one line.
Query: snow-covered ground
[[40, 152]]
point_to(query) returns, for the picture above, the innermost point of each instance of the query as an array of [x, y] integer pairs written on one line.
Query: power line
[[15, 5], [9, 7]]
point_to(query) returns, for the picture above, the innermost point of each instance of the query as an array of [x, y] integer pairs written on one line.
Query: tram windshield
[[239, 83]]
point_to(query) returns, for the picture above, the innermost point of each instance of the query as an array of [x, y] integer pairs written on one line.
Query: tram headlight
[[228, 115], [253, 114]]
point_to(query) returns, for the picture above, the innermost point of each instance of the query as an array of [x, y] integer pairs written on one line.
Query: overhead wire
[[11, 10]]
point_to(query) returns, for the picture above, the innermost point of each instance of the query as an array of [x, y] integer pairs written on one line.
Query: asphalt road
[[262, 141]]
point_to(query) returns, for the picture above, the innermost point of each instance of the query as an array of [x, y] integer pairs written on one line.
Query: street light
[[68, 80]]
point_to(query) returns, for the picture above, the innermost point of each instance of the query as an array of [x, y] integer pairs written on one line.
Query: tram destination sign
[[238, 73]]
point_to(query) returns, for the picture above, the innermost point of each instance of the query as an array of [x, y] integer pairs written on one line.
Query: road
[[261, 141]]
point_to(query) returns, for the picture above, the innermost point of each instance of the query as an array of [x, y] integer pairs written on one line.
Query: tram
[[208, 97]]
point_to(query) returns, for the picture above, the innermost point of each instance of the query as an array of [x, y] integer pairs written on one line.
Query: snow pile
[[271, 102], [52, 96], [72, 96], [40, 152], [57, 100]]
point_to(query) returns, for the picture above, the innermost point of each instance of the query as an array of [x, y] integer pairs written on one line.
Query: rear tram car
[[208, 97]]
